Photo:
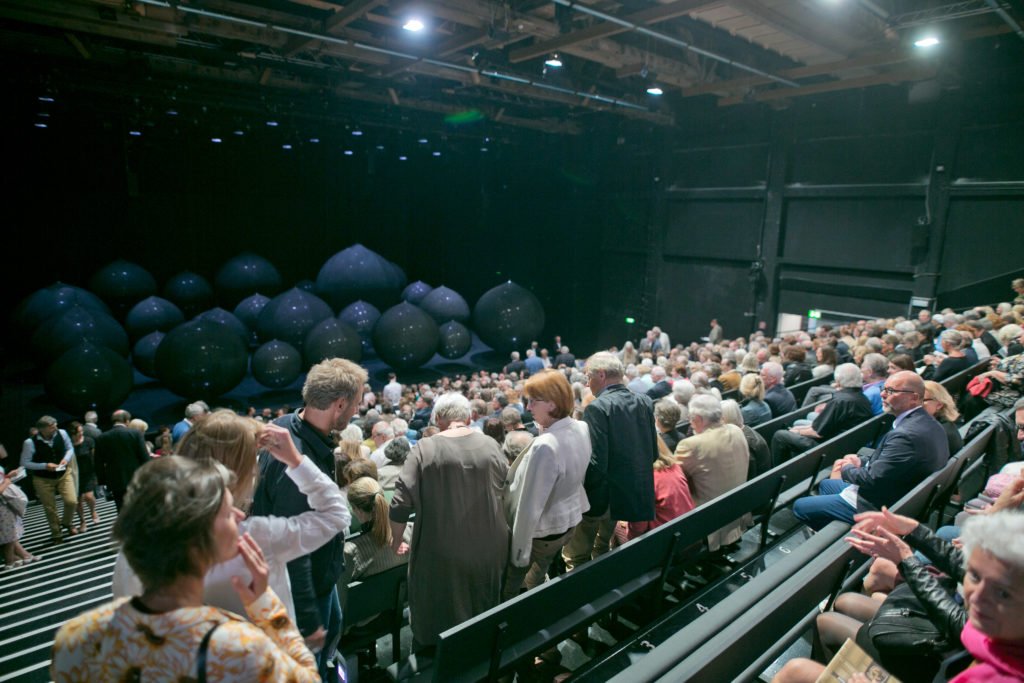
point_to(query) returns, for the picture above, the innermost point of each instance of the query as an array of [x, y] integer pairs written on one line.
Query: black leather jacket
[[945, 612]]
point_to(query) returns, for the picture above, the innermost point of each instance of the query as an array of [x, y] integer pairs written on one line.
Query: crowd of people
[[483, 483]]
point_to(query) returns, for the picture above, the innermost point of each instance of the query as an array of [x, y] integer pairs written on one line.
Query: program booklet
[[852, 659]]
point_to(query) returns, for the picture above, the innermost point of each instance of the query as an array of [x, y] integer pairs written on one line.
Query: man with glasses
[[914, 448], [620, 478]]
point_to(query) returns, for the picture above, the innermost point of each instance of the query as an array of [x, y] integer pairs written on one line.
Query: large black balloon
[[332, 338], [306, 286], [89, 377], [74, 326], [190, 292], [201, 359], [243, 276], [144, 353], [122, 284], [508, 317], [151, 314], [415, 292], [362, 316], [291, 315], [444, 304], [359, 273], [405, 337], [248, 311], [276, 364], [455, 340], [48, 302], [228, 320]]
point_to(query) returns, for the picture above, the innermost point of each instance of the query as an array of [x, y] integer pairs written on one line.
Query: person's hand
[[257, 565], [1011, 498], [278, 442], [315, 640], [870, 522], [883, 543], [52, 466], [402, 549]]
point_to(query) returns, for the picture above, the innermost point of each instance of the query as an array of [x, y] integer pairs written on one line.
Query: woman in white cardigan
[[545, 498], [233, 441]]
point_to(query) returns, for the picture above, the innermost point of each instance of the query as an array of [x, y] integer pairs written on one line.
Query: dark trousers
[[330, 616], [786, 444]]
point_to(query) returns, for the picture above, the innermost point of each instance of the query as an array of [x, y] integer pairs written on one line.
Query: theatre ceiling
[[554, 66]]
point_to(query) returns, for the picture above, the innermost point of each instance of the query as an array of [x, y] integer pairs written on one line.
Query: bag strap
[[201, 657]]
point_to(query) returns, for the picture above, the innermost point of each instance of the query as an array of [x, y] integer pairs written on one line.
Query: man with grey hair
[[620, 478], [194, 412], [779, 399], [381, 433], [515, 443], [715, 460], [661, 388], [331, 394], [847, 408], [47, 455], [90, 427], [682, 391], [564, 358], [119, 452], [874, 368], [515, 365], [666, 417]]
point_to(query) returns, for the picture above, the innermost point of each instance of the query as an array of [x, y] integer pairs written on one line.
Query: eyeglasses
[[1020, 427], [890, 390]]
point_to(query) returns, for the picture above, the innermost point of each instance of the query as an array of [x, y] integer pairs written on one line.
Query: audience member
[[779, 399], [46, 455], [754, 409], [119, 452], [194, 412]]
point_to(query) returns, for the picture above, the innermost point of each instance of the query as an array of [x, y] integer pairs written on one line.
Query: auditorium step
[[37, 598]]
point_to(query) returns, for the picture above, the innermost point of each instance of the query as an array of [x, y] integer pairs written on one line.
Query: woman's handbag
[[979, 386]]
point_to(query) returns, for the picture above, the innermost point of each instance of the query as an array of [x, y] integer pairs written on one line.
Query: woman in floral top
[[178, 521]]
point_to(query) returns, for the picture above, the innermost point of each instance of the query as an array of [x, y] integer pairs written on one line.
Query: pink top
[[671, 499]]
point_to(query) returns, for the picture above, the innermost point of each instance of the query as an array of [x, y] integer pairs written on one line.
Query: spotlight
[[655, 90], [272, 124], [135, 133], [239, 132], [553, 61], [403, 158], [286, 146], [216, 141], [349, 152], [927, 41], [436, 154], [423, 141], [414, 25], [357, 133]]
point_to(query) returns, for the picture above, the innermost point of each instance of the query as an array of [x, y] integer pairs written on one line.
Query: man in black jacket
[[620, 478], [119, 452], [331, 394]]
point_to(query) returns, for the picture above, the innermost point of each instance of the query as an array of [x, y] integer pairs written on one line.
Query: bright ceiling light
[[553, 61], [927, 41], [655, 90], [414, 24]]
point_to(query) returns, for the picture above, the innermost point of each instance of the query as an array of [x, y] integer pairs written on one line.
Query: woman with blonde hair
[[233, 441], [753, 408], [671, 494], [940, 405], [369, 552]]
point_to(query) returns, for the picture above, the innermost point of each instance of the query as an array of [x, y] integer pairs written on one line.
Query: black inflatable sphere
[[248, 311], [228, 320], [122, 284], [362, 316], [144, 353], [400, 278], [201, 359], [508, 317], [48, 302], [456, 339], [405, 337], [291, 315], [190, 292], [359, 273], [243, 276], [150, 314], [445, 304], [415, 292], [74, 326], [306, 286], [332, 338], [89, 377], [276, 364]]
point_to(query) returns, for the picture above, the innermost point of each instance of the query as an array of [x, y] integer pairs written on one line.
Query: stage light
[[272, 124], [414, 24], [403, 158], [927, 41], [357, 133], [553, 61], [436, 154], [349, 152], [216, 141], [314, 140], [135, 133], [44, 98], [239, 132], [286, 146], [172, 112], [40, 125], [423, 141], [655, 90], [483, 149]]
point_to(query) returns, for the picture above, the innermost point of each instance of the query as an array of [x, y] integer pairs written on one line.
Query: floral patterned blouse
[[1007, 394], [120, 641]]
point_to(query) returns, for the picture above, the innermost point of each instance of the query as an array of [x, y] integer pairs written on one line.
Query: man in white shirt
[[392, 390]]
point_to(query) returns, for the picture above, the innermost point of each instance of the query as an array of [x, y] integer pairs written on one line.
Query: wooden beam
[[460, 41], [333, 24], [605, 29], [789, 26], [913, 74]]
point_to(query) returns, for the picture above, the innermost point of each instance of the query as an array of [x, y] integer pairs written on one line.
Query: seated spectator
[[757, 448], [952, 360], [661, 386], [848, 408], [941, 406], [796, 369], [515, 443], [899, 362], [1007, 378], [494, 429], [671, 495], [177, 522], [715, 461], [874, 369], [754, 409], [370, 552], [779, 399], [666, 417], [828, 359], [730, 377], [682, 391], [914, 448], [395, 453], [512, 420]]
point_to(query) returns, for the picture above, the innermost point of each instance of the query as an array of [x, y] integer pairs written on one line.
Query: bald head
[[903, 391]]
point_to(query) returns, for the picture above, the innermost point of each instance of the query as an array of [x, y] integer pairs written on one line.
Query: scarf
[[995, 662]]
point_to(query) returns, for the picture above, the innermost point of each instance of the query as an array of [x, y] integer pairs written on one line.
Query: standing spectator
[[85, 454], [12, 511], [119, 452], [392, 391], [193, 413], [453, 483], [715, 334], [533, 363], [331, 394], [91, 430], [46, 456], [620, 479]]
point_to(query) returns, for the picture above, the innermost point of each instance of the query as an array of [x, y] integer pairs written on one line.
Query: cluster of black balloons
[[198, 350]]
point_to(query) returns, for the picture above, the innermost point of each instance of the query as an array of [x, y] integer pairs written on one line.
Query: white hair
[[657, 373], [351, 433], [707, 407], [1001, 534], [849, 376], [399, 426], [451, 407], [731, 413], [773, 369], [1007, 333], [682, 391]]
